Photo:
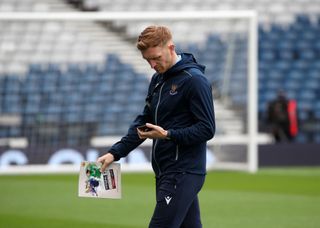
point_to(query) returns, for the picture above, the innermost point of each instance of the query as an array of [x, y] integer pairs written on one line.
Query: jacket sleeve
[[199, 95], [131, 140]]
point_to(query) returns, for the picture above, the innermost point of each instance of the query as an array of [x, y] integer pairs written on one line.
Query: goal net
[[71, 84]]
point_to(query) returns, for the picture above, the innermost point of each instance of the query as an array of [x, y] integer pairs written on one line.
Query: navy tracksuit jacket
[[180, 101]]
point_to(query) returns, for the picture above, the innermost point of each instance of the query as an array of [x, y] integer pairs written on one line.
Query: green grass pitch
[[272, 198]]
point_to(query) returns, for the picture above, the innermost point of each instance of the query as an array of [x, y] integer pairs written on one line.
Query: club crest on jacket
[[173, 90]]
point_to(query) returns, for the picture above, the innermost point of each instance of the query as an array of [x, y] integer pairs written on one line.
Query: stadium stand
[[48, 70]]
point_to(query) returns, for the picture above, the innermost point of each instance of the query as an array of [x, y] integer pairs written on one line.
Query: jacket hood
[[187, 61]]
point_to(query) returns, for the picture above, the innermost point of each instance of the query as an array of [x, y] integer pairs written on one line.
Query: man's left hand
[[156, 132]]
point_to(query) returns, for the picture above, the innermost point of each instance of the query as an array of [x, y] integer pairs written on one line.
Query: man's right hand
[[105, 160]]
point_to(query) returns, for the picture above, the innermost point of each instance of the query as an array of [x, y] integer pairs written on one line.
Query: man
[[179, 117], [282, 117]]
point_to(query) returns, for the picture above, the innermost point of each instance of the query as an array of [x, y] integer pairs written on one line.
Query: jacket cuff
[[115, 156], [169, 135]]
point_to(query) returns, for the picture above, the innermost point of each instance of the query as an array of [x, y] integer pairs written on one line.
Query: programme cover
[[93, 183]]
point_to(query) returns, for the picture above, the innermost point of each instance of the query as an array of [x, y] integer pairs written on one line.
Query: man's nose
[[152, 64]]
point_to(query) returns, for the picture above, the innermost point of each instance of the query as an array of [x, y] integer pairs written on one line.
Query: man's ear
[[171, 47]]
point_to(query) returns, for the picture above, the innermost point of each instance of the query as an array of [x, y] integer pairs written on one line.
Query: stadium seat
[[302, 138], [316, 138], [303, 116], [11, 104]]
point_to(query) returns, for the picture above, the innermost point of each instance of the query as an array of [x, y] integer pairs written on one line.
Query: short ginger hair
[[153, 36]]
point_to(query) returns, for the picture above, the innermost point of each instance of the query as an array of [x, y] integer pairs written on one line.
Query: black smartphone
[[144, 128]]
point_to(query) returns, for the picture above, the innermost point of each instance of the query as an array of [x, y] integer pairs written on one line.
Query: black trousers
[[177, 201]]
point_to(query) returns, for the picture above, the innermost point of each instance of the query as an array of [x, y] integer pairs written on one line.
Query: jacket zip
[[156, 122], [177, 152]]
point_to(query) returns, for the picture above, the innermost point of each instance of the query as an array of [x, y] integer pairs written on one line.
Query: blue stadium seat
[[103, 129], [51, 118], [269, 95], [73, 98], [11, 84], [134, 108], [53, 68], [107, 116], [302, 45], [305, 105], [114, 108], [303, 115], [296, 75], [35, 68], [97, 98], [264, 67], [31, 108], [72, 117], [14, 132], [303, 19], [94, 108], [283, 65], [311, 84], [30, 119], [306, 95], [301, 138], [84, 88], [49, 85], [265, 45], [307, 54], [316, 138], [137, 98], [290, 84], [104, 88], [286, 54], [273, 85], [317, 114], [108, 129], [74, 68], [316, 109], [292, 94], [285, 43], [11, 104], [54, 109], [275, 74], [90, 117], [267, 56]]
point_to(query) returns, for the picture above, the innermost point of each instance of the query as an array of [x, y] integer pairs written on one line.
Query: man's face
[[160, 58]]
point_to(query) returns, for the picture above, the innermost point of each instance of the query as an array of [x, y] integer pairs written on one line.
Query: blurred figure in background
[[282, 116]]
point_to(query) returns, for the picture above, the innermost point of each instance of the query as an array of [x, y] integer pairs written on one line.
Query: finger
[[100, 160], [151, 125], [104, 166], [142, 136], [154, 127], [139, 133]]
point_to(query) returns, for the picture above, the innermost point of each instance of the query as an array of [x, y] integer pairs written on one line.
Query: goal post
[[249, 138]]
